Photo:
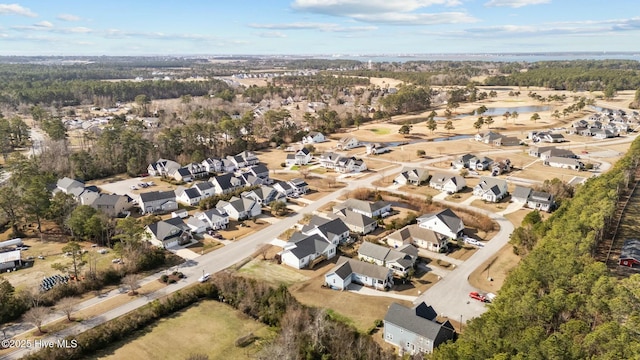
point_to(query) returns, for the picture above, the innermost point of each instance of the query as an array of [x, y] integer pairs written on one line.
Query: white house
[[347, 143], [157, 202], [306, 250], [413, 176], [167, 235], [399, 260], [215, 218], [240, 208], [445, 222], [376, 149], [190, 196], [313, 137], [349, 271], [301, 157], [564, 163], [162, 167], [356, 222], [418, 236], [491, 189], [447, 182], [372, 210]]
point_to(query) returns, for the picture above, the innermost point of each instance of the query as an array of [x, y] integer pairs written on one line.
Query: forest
[[560, 302]]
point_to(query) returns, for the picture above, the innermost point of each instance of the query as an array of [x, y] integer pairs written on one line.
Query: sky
[[314, 27]]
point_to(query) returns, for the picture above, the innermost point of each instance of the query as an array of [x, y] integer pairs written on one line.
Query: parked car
[[116, 261], [478, 296], [204, 277], [472, 241], [102, 251], [40, 257], [150, 183]]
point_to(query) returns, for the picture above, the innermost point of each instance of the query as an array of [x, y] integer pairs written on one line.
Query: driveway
[[359, 289]]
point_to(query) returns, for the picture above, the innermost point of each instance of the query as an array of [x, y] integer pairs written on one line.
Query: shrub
[[164, 278]]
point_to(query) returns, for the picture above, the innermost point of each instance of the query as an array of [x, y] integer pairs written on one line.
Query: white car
[[133, 187], [204, 277], [471, 241]]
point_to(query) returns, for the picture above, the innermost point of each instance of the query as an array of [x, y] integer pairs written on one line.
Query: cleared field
[[490, 276], [218, 326], [271, 272]]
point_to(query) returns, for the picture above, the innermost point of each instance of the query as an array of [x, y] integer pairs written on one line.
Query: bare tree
[[263, 250], [36, 316], [67, 305], [133, 282]]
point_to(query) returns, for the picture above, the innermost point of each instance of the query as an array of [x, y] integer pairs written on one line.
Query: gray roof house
[[445, 223], [306, 250], [564, 163], [356, 222], [418, 236], [415, 330], [112, 205], [400, 260], [349, 271], [413, 176], [240, 208], [226, 183], [162, 167], [334, 230], [447, 182], [69, 186], [158, 201], [372, 210], [215, 218], [167, 235], [491, 189]]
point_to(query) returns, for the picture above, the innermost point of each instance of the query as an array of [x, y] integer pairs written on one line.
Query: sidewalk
[[359, 289]]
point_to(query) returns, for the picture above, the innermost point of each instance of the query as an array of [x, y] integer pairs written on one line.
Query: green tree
[[405, 129], [535, 117], [478, 123], [514, 116], [55, 128], [489, 121], [143, 101], [432, 125], [75, 250], [449, 126], [481, 110]]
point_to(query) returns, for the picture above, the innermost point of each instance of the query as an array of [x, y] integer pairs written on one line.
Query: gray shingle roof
[[411, 319], [308, 245], [631, 249], [346, 266], [157, 195]]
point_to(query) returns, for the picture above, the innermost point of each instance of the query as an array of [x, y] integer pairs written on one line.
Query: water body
[[520, 109]]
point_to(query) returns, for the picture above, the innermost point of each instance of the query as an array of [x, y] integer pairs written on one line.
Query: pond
[[499, 111]]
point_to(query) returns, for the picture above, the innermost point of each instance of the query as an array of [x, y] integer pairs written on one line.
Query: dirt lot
[[496, 268], [235, 231]]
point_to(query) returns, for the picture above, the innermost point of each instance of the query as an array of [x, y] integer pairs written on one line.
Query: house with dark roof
[[630, 254], [349, 271], [491, 189], [227, 183], [306, 250], [205, 189], [372, 210], [284, 188], [212, 165], [356, 222], [190, 196], [449, 183], [418, 236], [299, 185], [333, 230], [415, 330], [462, 161], [157, 202], [541, 201], [112, 205], [265, 195], [480, 163], [445, 223], [412, 176], [400, 261], [259, 171], [168, 234], [301, 157]]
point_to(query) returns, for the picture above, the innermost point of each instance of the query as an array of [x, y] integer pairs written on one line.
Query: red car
[[476, 295]]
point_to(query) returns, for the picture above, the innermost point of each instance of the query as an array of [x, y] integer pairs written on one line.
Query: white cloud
[[396, 12], [78, 30], [16, 9], [44, 24], [515, 3], [326, 27], [68, 17], [272, 34]]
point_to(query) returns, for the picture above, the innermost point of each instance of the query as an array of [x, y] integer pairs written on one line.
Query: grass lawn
[[218, 326], [271, 272], [381, 131], [205, 246], [494, 207], [497, 268]]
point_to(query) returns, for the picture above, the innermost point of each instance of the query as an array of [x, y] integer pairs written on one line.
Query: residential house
[[553, 152], [328, 160], [537, 151], [445, 223], [550, 137], [240, 208], [227, 183], [190, 196], [347, 143], [603, 134], [491, 189], [243, 159], [540, 200], [205, 188], [412, 176], [630, 253], [167, 235], [157, 202], [301, 157], [349, 271], [112, 205], [259, 171], [182, 174], [284, 188], [372, 210], [521, 194], [507, 141], [488, 138], [500, 167], [212, 165], [88, 196], [376, 149], [447, 182], [197, 170], [215, 218], [418, 236], [356, 222], [306, 250], [415, 330], [463, 161], [313, 137], [564, 163], [162, 167], [333, 230], [196, 225], [400, 261], [480, 163], [69, 186], [181, 213], [265, 195], [299, 185], [349, 165]]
